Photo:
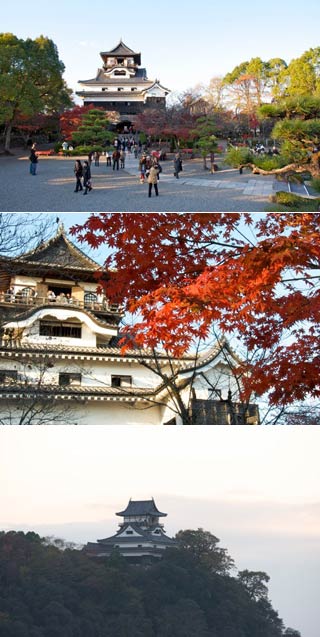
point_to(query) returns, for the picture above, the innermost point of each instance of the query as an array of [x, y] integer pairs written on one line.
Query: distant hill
[[46, 591]]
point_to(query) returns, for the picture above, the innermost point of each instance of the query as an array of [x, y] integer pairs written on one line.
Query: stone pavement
[[51, 190]]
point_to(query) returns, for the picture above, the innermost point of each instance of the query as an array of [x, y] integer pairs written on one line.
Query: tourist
[[142, 168], [78, 171], [153, 179], [90, 155], [33, 160], [86, 177], [108, 159], [115, 159], [122, 158], [177, 165], [10, 295], [96, 158], [51, 296], [65, 148]]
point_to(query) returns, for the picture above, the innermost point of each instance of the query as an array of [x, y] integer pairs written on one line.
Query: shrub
[[85, 150], [237, 156], [294, 202], [269, 163], [315, 183]]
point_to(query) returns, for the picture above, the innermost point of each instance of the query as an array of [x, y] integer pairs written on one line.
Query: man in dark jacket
[[33, 161]]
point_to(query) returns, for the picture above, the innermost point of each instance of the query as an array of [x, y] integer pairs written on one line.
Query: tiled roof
[[120, 49], [46, 390], [59, 251], [141, 507]]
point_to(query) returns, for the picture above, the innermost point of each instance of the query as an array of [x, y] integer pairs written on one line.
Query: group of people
[[149, 169], [83, 176], [259, 149], [60, 298]]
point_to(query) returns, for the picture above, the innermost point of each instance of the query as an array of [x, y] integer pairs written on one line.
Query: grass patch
[[287, 201], [315, 184]]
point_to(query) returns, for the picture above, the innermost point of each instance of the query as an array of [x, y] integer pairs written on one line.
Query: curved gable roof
[[141, 507], [59, 251]]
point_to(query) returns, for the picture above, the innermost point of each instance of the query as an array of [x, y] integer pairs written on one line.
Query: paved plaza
[[52, 189]]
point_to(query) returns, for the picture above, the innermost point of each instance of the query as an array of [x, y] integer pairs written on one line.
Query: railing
[[10, 300]]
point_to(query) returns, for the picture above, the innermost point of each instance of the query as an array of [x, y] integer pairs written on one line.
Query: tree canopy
[[251, 276], [31, 80], [48, 591]]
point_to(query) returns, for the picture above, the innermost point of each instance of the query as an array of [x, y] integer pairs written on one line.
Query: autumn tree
[[31, 80], [255, 277], [71, 119], [174, 123]]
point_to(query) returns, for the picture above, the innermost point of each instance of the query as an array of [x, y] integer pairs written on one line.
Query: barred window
[[57, 329]]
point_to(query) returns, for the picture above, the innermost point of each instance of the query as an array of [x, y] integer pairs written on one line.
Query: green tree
[[206, 140], [297, 127], [302, 77], [203, 546], [255, 583], [31, 80], [94, 129]]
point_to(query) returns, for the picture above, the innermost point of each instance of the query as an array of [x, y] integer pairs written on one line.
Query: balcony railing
[[19, 300]]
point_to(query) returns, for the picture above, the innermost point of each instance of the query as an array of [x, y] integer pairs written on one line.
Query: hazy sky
[[182, 44], [257, 489]]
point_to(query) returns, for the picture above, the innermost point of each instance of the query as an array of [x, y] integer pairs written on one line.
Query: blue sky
[[182, 44]]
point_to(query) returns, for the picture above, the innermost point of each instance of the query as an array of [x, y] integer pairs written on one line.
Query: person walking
[[142, 168], [115, 159], [177, 165], [96, 158], [78, 171], [122, 158], [86, 177], [153, 180], [108, 158], [33, 160]]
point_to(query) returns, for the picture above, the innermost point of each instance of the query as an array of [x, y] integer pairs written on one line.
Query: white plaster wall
[[111, 413]]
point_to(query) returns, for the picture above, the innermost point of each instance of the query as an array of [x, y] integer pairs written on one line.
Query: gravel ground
[[52, 189]]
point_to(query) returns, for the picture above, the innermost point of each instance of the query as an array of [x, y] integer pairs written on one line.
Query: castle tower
[[122, 85], [140, 537]]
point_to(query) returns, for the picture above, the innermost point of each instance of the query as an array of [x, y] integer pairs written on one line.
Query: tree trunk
[[313, 167], [204, 162], [7, 138]]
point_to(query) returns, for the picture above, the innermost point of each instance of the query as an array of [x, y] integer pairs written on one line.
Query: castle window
[[134, 88], [8, 376], [121, 381], [66, 380], [90, 297], [119, 73], [129, 532], [55, 329], [120, 88]]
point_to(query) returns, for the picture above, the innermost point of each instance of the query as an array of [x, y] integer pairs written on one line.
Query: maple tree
[[175, 123], [180, 273], [71, 120]]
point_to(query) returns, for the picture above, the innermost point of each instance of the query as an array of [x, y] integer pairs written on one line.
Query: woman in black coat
[[78, 171], [86, 177]]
